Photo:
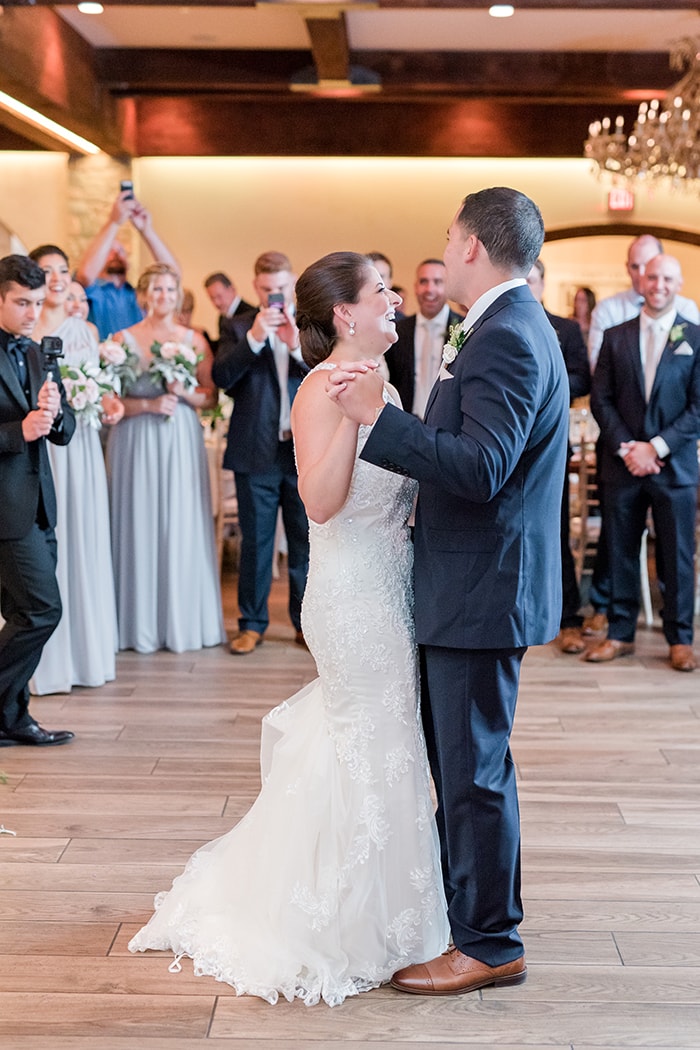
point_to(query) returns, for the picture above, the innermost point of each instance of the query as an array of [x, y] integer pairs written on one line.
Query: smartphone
[[127, 186], [276, 299]]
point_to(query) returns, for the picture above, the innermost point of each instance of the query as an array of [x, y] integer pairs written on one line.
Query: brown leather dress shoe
[[453, 973], [682, 658], [595, 625], [610, 649], [245, 642], [570, 640]]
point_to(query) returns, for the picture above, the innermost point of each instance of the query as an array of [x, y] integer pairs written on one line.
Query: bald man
[[646, 399]]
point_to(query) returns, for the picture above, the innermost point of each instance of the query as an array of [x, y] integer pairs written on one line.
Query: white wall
[[221, 212]]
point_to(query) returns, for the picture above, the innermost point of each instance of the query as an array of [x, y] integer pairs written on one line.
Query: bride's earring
[[352, 328]]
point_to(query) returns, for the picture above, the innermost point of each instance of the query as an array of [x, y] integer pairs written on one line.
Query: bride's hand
[[345, 372], [357, 389]]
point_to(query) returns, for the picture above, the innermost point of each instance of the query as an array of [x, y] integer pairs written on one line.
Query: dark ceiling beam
[[604, 77], [48, 66], [302, 126], [329, 47]]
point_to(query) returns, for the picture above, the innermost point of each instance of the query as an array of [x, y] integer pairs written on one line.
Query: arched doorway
[[595, 256]]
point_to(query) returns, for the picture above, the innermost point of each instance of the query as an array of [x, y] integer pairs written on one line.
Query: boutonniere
[[454, 344], [676, 335]]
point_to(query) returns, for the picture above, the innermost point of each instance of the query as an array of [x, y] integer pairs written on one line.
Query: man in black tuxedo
[[490, 458], [33, 408], [259, 365], [570, 639], [646, 399], [225, 298], [414, 359]]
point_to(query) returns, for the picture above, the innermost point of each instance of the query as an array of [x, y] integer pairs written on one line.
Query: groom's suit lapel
[[505, 298]]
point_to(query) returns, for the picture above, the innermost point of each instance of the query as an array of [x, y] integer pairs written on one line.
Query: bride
[[331, 882]]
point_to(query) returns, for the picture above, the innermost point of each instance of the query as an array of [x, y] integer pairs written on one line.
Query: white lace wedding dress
[[331, 882]]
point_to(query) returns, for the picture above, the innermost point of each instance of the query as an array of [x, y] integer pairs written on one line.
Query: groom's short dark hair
[[508, 224]]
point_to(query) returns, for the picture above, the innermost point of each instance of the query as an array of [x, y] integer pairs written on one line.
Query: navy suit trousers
[[468, 699]]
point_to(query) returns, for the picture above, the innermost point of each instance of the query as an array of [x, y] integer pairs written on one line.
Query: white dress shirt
[[623, 307]]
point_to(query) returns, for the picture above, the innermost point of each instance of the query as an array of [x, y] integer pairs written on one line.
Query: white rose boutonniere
[[676, 335], [454, 344]]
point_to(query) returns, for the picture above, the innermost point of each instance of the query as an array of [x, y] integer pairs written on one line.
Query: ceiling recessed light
[[501, 10], [90, 9]]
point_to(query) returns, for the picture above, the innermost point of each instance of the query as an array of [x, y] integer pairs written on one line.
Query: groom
[[490, 459]]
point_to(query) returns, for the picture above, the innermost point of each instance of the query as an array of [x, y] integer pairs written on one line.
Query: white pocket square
[[444, 374], [683, 350]]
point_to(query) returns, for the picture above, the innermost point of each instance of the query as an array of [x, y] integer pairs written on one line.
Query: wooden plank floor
[[166, 758]]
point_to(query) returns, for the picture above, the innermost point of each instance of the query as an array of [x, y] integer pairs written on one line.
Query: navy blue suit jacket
[[251, 380], [401, 357], [673, 413], [490, 460]]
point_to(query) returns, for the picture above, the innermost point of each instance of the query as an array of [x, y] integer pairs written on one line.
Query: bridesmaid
[[165, 563], [81, 651]]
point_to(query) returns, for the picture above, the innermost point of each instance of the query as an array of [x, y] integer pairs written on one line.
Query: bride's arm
[[326, 445]]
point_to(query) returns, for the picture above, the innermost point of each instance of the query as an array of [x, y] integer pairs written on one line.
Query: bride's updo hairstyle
[[336, 278], [150, 274]]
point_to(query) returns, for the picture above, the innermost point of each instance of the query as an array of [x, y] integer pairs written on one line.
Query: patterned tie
[[17, 346]]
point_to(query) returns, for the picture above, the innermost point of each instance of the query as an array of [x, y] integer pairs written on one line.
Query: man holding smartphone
[[103, 268], [33, 409], [259, 365]]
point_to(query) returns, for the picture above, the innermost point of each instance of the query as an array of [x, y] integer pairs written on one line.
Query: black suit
[[266, 477], [401, 357], [226, 324], [578, 370], [672, 413], [29, 597]]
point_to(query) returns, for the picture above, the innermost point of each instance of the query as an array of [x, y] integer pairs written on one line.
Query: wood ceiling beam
[[604, 77], [301, 126], [49, 67], [329, 47]]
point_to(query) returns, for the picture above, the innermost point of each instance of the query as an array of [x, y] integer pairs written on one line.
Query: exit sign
[[620, 200]]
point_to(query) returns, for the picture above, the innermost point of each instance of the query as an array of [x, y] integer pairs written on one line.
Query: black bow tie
[[17, 346], [18, 342]]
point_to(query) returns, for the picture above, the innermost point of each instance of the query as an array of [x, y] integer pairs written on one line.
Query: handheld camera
[[52, 350]]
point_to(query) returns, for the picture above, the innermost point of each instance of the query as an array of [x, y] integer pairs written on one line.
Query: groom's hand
[[357, 389]]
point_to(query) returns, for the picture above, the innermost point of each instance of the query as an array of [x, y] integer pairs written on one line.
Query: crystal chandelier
[[665, 140]]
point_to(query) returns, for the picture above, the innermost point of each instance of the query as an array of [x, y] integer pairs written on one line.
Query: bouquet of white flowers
[[85, 386], [174, 363], [119, 363]]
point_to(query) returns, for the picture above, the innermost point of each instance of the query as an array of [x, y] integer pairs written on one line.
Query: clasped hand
[[357, 389], [641, 458], [37, 423]]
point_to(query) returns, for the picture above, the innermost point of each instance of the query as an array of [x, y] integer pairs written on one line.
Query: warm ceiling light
[[501, 10], [38, 120], [90, 9]]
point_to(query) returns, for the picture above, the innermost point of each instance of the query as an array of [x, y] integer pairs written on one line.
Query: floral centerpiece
[[174, 363], [85, 386], [119, 363]]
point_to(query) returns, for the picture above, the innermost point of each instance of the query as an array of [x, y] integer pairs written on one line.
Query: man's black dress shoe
[[34, 734]]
